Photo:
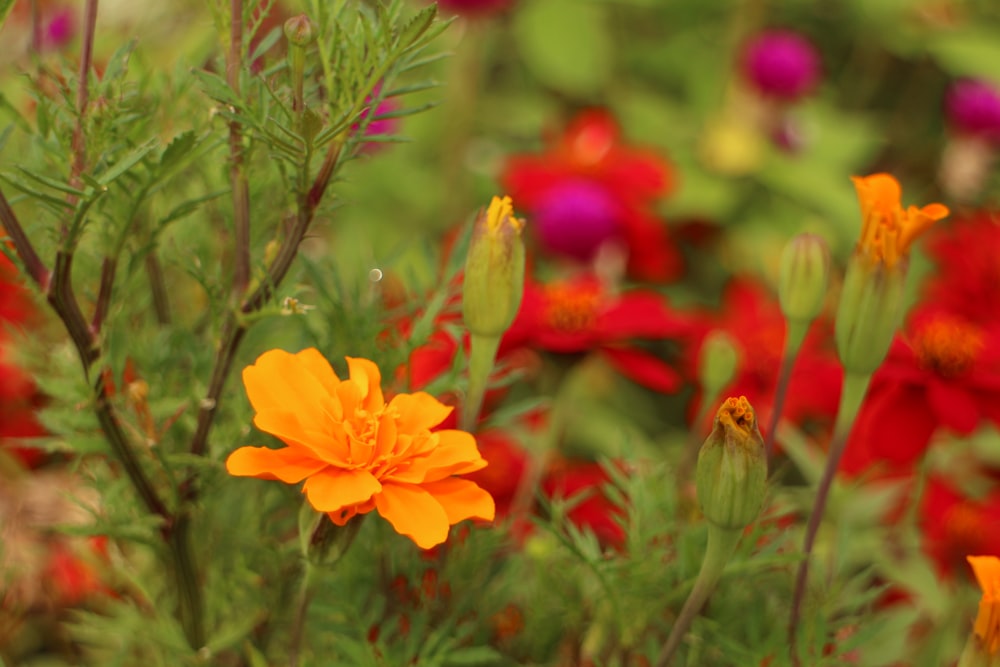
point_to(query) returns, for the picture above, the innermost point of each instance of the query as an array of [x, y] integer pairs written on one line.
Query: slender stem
[[33, 264], [234, 328], [108, 269], [237, 169], [36, 28], [482, 356], [83, 92], [158, 287], [305, 597], [190, 603], [851, 397], [689, 457], [721, 545], [793, 343]]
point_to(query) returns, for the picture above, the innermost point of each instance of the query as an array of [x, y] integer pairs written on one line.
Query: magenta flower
[[781, 64], [576, 217], [973, 107]]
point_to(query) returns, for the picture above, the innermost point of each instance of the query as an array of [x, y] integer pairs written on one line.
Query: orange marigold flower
[[356, 452], [888, 230], [987, 628]]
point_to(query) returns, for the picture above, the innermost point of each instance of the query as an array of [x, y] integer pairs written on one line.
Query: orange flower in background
[[887, 229], [987, 628], [358, 453]]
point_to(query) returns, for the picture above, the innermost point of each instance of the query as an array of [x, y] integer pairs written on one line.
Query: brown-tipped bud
[[804, 277], [300, 31], [732, 467], [718, 362], [494, 270]]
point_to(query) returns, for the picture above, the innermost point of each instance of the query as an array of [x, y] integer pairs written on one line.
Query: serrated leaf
[[118, 63], [216, 87], [130, 160], [417, 26], [179, 147]]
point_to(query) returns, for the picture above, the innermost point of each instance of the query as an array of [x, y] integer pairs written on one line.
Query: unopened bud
[[869, 313], [494, 270], [732, 467], [299, 30], [804, 277], [718, 362]]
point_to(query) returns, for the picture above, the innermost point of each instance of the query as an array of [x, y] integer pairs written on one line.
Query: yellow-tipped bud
[[732, 467], [871, 301], [804, 277], [718, 362], [494, 270]]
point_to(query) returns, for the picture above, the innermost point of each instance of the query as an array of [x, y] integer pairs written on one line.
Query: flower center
[[963, 529], [947, 345], [571, 308], [738, 413]]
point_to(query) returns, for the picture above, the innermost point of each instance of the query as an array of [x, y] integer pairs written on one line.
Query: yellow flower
[[987, 628], [358, 453], [887, 230]]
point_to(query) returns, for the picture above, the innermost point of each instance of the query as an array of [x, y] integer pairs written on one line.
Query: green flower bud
[[870, 311], [732, 467], [300, 31], [494, 271], [718, 362], [804, 277]]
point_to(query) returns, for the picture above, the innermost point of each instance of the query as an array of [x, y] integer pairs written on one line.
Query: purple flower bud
[[60, 28], [973, 107], [576, 217], [781, 64]]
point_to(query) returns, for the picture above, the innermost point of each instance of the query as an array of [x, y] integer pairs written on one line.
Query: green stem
[[793, 343], [301, 612], [190, 603], [851, 397], [482, 355], [721, 545]]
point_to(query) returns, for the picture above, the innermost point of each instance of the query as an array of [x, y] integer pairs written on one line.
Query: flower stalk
[[731, 480]]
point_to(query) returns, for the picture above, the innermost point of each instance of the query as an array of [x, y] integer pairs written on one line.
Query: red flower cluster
[[587, 192], [18, 397]]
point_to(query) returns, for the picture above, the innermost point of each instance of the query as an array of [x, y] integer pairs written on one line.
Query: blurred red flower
[[956, 525], [580, 314], [587, 191], [945, 373], [968, 278], [750, 314]]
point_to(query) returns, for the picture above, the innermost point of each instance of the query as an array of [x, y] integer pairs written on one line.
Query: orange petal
[[366, 375], [286, 427], [313, 361], [333, 489], [456, 454], [462, 499], [413, 512], [987, 571], [419, 411], [285, 382], [289, 464]]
